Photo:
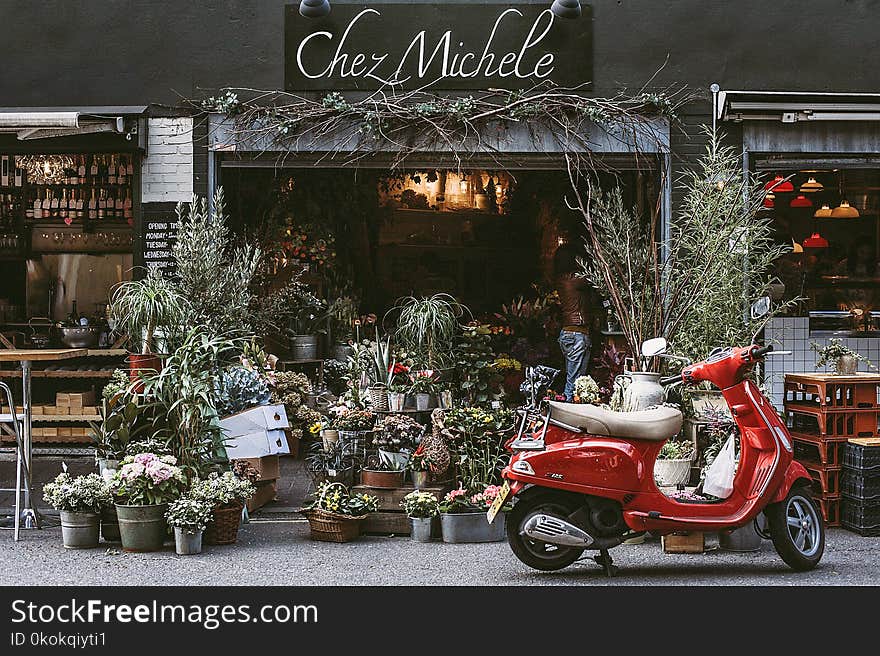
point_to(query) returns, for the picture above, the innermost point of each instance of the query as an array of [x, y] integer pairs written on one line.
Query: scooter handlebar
[[761, 351], [669, 380]]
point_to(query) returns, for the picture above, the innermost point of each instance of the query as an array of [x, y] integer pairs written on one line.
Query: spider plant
[[428, 326], [141, 306]]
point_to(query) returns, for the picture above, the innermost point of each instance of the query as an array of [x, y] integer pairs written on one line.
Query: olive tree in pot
[[139, 308], [80, 500], [142, 488], [188, 517]]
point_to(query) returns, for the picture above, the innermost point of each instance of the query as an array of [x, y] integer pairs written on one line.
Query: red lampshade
[[815, 241], [770, 200], [801, 201], [779, 185]]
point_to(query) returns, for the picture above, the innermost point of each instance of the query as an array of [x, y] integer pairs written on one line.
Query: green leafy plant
[[222, 490], [427, 327], [477, 438], [355, 421], [399, 432], [336, 498], [291, 389], [419, 462], [420, 505], [239, 388], [122, 424], [676, 450], [140, 307], [147, 479], [118, 384], [422, 382], [82, 494], [835, 348], [586, 390], [474, 360], [189, 514]]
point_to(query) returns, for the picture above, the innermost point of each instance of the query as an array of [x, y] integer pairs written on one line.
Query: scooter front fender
[[795, 472]]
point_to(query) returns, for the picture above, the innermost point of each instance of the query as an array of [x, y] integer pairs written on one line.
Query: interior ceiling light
[[770, 200], [796, 247], [566, 8], [815, 241], [314, 8], [47, 168], [779, 185], [811, 186], [844, 211], [823, 212], [801, 201]]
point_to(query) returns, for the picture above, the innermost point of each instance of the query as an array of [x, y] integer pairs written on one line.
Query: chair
[[21, 464]]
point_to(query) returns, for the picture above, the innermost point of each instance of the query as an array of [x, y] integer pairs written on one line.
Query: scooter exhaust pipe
[[553, 530]]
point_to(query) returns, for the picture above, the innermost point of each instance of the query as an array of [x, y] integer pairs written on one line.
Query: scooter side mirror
[[760, 307], [654, 347]]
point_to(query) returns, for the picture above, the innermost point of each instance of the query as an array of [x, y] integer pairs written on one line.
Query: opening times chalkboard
[[160, 233]]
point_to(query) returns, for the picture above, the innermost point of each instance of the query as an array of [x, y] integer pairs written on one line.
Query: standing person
[[574, 339]]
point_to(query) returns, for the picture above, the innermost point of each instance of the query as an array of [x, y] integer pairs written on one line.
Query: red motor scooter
[[583, 476]]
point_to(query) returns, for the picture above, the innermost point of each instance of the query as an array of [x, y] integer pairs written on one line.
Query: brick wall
[[167, 174]]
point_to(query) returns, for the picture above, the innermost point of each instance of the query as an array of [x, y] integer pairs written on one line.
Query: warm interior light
[[815, 241], [801, 201], [823, 212], [811, 186], [796, 247], [463, 186], [844, 211], [779, 185]]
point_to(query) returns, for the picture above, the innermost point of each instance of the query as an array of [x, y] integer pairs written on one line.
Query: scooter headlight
[[523, 467]]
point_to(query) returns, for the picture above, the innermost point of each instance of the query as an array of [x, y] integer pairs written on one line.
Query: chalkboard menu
[[159, 236]]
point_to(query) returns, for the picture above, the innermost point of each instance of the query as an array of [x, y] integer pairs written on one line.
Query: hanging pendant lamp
[[796, 247], [815, 241], [779, 185], [823, 212], [844, 211], [770, 200], [811, 186], [314, 8], [566, 8], [801, 201]]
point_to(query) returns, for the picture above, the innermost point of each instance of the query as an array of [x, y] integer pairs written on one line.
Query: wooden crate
[[386, 523], [684, 542], [390, 499]]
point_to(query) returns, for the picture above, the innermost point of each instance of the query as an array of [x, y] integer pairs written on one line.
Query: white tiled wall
[[793, 334], [168, 168]]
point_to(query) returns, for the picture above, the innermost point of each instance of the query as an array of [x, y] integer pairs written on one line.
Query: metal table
[[29, 517]]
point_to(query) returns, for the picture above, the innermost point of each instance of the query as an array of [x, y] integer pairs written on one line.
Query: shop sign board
[[159, 237], [368, 46]]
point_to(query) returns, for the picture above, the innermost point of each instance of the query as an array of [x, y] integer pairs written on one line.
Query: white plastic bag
[[719, 476]]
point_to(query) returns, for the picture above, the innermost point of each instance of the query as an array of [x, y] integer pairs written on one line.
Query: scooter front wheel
[[541, 555], [797, 529]]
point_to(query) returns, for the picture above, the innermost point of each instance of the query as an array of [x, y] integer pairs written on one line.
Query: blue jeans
[[576, 349]]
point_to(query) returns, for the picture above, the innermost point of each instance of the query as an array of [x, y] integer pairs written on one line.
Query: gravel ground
[[275, 550]]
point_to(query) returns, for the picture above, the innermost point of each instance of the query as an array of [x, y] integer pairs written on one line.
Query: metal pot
[[187, 543], [423, 401], [142, 528], [80, 530], [421, 528], [471, 527], [304, 347], [421, 479], [846, 365], [80, 336]]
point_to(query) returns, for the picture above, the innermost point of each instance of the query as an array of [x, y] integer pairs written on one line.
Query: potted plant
[[142, 488], [354, 426], [111, 437], [586, 390], [188, 517], [140, 308], [334, 463], [335, 515], [239, 388], [673, 465], [421, 508], [422, 386], [844, 361], [463, 516], [386, 475], [398, 438], [305, 315], [383, 371], [225, 494], [80, 500], [427, 327], [420, 468]]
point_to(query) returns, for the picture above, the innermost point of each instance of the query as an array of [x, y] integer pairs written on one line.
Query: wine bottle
[[121, 171], [102, 204], [37, 209], [81, 168], [111, 170], [93, 169], [129, 167], [93, 206], [80, 212], [19, 174]]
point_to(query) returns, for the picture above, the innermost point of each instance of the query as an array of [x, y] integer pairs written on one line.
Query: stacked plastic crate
[[860, 486], [823, 412]]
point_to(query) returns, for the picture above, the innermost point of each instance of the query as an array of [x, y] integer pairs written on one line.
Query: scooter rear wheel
[[797, 529], [540, 555]]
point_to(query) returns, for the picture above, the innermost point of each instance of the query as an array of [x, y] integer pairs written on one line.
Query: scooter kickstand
[[604, 559]]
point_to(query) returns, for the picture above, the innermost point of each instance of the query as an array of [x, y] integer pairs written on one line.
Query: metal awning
[[43, 122], [796, 106]]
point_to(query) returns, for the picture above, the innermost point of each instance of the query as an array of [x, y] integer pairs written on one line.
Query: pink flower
[[159, 472], [145, 458], [132, 470]]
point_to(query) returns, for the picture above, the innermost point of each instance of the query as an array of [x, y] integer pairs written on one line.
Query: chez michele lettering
[[447, 57]]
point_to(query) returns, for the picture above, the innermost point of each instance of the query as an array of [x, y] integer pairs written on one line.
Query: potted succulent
[[225, 494], [844, 361], [140, 308], [80, 500], [422, 386], [335, 515], [188, 517], [383, 371], [673, 465], [422, 508], [142, 488], [420, 469], [463, 516]]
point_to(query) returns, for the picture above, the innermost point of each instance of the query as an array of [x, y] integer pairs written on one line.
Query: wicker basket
[[223, 528], [330, 527]]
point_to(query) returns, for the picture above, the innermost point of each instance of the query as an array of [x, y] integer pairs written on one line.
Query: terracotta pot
[[382, 479], [142, 362]]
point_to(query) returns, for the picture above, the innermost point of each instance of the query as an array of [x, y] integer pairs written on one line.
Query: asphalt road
[[276, 550]]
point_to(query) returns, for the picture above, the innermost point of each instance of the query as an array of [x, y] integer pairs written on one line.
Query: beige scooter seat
[[655, 424]]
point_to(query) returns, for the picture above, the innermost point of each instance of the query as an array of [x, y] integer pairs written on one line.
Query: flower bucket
[[187, 543], [223, 528], [110, 525], [142, 528], [421, 479], [142, 362], [672, 472], [444, 399], [329, 437], [471, 527], [386, 480], [80, 530], [846, 365], [421, 528], [396, 401], [423, 401], [304, 347]]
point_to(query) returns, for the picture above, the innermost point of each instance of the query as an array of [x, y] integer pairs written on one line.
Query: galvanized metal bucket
[[304, 347], [80, 530], [110, 525], [142, 528], [471, 527], [421, 528], [187, 543]]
